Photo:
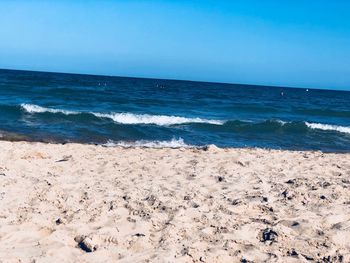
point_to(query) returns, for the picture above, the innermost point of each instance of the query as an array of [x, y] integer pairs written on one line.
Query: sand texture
[[85, 203]]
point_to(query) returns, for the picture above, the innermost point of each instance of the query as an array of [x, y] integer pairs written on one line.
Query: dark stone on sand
[[291, 181], [58, 221], [243, 260], [295, 224], [285, 193], [322, 197], [236, 202], [221, 178], [268, 235], [85, 243], [126, 198], [195, 205], [292, 253]]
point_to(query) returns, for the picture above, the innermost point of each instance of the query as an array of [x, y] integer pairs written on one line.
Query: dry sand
[[172, 205]]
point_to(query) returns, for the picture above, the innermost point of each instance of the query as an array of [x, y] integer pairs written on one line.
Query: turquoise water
[[151, 112]]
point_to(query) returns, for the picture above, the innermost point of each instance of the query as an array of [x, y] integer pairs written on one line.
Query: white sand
[[172, 205]]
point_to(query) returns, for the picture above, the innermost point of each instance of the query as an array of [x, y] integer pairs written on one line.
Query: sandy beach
[[86, 203]]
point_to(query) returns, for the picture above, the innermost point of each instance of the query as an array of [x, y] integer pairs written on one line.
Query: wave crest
[[127, 118], [164, 120], [161, 120], [328, 127], [31, 108]]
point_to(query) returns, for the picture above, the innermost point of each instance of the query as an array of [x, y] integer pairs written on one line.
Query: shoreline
[[77, 202], [17, 138]]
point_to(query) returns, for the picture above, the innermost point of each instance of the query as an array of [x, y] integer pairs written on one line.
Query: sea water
[[122, 111]]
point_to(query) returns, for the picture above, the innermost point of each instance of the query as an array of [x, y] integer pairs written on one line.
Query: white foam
[[328, 127], [174, 143], [161, 120], [127, 118], [281, 122], [31, 108]]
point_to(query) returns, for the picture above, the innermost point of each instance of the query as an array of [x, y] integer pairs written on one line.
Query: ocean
[[55, 107]]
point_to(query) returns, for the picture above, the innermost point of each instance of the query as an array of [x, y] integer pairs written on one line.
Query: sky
[[297, 43]]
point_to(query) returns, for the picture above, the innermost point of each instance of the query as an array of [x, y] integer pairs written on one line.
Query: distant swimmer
[[282, 94], [307, 89]]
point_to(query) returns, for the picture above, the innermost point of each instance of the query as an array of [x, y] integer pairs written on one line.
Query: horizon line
[[170, 79]]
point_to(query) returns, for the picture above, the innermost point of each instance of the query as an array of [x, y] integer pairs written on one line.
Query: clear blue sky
[[303, 43]]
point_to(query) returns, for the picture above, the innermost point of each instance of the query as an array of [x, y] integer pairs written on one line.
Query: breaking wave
[[161, 120], [328, 127], [164, 120], [127, 118], [31, 108]]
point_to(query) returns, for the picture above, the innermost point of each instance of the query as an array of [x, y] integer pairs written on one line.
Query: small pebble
[[268, 235], [58, 221]]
